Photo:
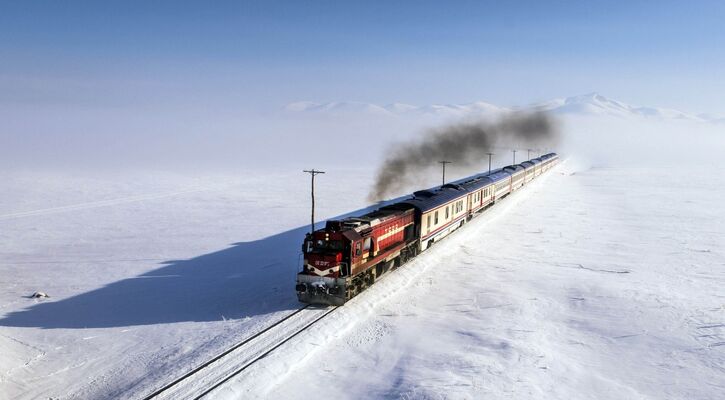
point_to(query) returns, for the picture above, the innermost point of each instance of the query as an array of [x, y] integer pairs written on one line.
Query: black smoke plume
[[466, 145]]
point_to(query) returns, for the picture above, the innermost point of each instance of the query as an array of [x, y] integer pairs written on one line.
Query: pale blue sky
[[262, 55]]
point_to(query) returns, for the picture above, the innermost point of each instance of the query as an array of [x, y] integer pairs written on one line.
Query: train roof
[[476, 182], [497, 175], [527, 164], [366, 221], [513, 168], [426, 200]]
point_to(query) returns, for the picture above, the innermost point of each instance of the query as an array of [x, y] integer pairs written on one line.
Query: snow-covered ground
[[591, 283], [149, 273]]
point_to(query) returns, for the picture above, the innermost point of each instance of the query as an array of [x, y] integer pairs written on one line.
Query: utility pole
[[489, 162], [313, 172], [444, 170], [528, 154], [514, 151]]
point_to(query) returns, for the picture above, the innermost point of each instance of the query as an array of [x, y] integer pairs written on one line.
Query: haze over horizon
[[130, 81]]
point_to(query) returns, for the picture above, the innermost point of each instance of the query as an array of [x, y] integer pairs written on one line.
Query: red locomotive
[[350, 254]]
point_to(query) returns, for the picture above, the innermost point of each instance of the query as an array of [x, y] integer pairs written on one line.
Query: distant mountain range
[[588, 104]]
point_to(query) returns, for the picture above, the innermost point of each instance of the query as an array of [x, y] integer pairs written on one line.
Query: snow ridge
[[586, 104]]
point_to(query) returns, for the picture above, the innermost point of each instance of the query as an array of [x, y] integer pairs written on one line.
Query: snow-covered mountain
[[587, 104], [338, 107], [596, 104], [348, 107]]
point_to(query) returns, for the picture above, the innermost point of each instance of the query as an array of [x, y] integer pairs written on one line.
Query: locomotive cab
[[326, 254], [326, 263]]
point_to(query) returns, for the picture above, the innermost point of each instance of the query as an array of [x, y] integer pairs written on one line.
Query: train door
[[368, 248], [357, 255]]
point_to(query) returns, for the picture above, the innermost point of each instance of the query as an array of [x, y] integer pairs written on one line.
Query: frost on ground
[[599, 283], [594, 284]]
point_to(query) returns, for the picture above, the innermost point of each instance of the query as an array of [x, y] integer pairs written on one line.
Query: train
[[348, 255]]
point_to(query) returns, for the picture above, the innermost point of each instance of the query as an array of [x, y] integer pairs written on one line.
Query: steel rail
[[194, 371], [263, 355]]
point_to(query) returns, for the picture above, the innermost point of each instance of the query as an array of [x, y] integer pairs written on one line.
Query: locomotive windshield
[[324, 246]]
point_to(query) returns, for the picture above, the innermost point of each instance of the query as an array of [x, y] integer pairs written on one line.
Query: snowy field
[[596, 284], [601, 283], [148, 272]]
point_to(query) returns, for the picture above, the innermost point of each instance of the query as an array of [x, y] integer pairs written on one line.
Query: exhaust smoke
[[466, 144]]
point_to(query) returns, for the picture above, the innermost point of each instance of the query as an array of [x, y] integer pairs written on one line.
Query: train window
[[446, 212], [428, 222], [368, 243], [435, 218], [357, 249]]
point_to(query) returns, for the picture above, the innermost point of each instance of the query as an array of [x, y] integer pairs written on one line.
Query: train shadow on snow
[[244, 280]]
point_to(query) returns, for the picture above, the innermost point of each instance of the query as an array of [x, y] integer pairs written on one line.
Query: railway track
[[208, 376]]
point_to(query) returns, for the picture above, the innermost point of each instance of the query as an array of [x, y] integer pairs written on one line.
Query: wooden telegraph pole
[[514, 151], [444, 170], [489, 162], [313, 172]]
